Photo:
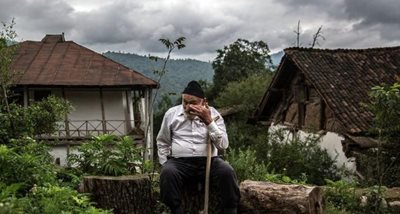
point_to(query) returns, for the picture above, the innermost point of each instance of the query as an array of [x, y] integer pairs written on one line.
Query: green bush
[[297, 158], [25, 165], [28, 182], [108, 155], [341, 195], [38, 118], [381, 165], [345, 197], [46, 199], [244, 95], [247, 166]]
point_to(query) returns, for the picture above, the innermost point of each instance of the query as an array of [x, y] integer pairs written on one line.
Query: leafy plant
[[25, 166], [47, 199], [237, 94], [108, 155], [348, 197], [38, 118], [298, 158], [238, 61], [7, 34], [247, 166], [341, 195], [381, 165]]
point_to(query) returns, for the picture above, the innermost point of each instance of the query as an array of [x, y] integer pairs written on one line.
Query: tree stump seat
[[123, 194]]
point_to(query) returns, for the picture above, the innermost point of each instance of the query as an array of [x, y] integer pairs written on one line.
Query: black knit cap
[[194, 88]]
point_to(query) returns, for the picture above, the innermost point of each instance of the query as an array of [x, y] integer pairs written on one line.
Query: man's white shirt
[[182, 137]]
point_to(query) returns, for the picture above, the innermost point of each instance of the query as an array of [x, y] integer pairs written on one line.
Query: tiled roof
[[343, 77], [56, 62]]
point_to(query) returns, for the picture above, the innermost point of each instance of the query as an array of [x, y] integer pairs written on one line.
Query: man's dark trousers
[[177, 171]]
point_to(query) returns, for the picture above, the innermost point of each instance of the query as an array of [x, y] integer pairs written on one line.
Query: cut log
[[123, 194], [265, 197]]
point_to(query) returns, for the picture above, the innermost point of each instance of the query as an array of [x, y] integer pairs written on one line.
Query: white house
[[107, 97]]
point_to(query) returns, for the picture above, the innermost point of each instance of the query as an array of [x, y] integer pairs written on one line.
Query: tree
[[244, 95], [238, 61], [318, 35], [383, 162], [6, 53]]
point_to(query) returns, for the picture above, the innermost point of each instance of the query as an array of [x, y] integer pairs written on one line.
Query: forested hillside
[[179, 71]]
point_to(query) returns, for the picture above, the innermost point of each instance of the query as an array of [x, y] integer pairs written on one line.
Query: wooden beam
[[103, 114], [66, 120], [127, 113], [322, 115]]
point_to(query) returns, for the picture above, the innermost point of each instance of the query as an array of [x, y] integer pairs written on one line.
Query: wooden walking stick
[[208, 169]]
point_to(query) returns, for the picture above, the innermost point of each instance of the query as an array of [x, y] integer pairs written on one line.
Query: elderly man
[[182, 143]]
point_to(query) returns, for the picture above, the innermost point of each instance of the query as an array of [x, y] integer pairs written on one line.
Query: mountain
[[179, 71], [276, 58]]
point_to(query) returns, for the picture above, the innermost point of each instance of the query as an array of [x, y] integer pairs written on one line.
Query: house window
[[17, 96], [39, 95]]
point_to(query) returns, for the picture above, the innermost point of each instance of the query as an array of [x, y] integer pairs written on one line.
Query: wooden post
[[66, 121], [26, 97], [103, 114], [128, 126], [322, 115]]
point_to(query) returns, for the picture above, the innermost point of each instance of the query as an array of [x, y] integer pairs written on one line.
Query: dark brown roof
[[343, 78], [56, 62]]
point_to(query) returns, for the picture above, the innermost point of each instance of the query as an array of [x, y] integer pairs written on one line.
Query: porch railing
[[88, 128]]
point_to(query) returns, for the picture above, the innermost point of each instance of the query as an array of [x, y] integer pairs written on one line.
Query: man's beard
[[189, 116]]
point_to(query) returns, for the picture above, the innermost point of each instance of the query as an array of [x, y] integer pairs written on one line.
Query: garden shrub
[[108, 155], [247, 166], [46, 199], [381, 165], [38, 118], [295, 157], [348, 197], [25, 165]]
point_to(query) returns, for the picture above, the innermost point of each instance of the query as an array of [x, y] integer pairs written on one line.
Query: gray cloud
[[41, 15], [136, 26], [374, 12], [381, 17]]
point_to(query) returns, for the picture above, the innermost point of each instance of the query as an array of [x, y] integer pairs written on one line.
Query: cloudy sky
[[136, 25]]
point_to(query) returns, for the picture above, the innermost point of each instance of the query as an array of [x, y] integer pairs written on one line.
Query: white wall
[[332, 143], [61, 153], [87, 106]]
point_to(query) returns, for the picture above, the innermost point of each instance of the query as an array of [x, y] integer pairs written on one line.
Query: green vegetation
[[108, 155], [29, 180], [237, 61], [296, 158], [245, 94]]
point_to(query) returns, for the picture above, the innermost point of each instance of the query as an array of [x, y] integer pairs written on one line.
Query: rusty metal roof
[[343, 78], [55, 62]]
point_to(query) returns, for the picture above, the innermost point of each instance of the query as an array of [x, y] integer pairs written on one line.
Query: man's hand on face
[[201, 111]]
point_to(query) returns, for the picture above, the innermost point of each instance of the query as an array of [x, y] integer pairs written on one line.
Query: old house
[[108, 98], [327, 90]]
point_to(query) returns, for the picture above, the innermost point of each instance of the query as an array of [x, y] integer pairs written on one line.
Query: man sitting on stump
[[182, 150]]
